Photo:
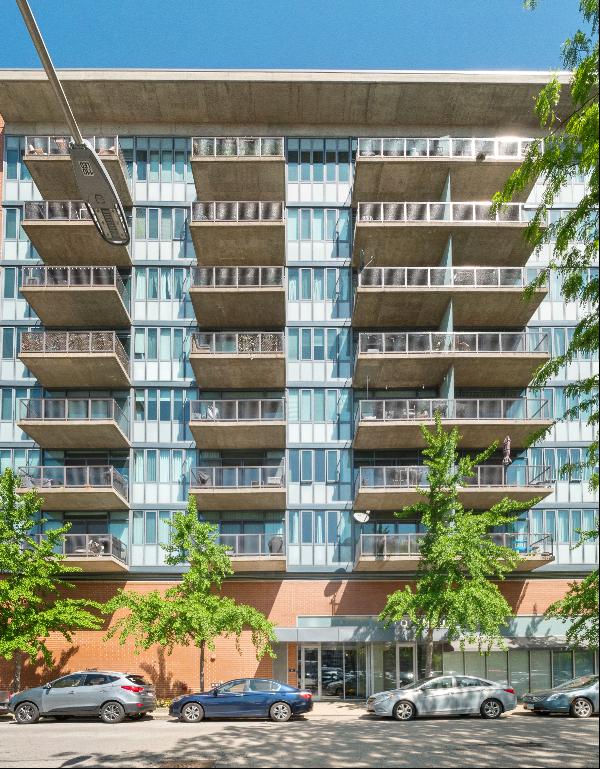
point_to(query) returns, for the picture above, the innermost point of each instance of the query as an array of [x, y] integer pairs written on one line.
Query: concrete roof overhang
[[368, 99]]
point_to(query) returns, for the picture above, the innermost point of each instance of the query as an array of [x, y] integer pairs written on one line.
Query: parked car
[[578, 698], [243, 698], [444, 695], [4, 699], [110, 695]]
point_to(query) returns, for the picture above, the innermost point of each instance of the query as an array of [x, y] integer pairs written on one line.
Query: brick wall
[[281, 600]]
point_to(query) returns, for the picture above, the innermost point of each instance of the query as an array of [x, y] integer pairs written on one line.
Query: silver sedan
[[444, 695]]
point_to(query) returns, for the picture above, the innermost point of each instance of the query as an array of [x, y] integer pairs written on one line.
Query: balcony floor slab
[[247, 498], [229, 244], [62, 243], [241, 307], [238, 435], [239, 372], [60, 498], [476, 498], [77, 370], [79, 307], [239, 178], [72, 434]]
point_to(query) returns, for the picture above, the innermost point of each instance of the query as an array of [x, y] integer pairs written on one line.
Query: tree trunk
[[16, 682], [428, 652], [202, 649]]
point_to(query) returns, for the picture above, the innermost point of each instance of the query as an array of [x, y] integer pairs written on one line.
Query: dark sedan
[[578, 698], [243, 698]]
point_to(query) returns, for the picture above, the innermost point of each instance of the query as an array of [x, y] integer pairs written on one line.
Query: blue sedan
[[578, 698], [243, 698]]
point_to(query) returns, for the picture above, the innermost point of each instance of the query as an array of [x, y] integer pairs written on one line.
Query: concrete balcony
[[478, 167], [414, 359], [74, 423], [77, 297], [419, 296], [255, 552], [413, 234], [395, 487], [76, 488], [49, 163], [238, 297], [63, 234], [239, 487], [247, 423], [95, 553], [396, 423], [234, 167], [227, 233], [239, 361], [401, 552], [76, 359]]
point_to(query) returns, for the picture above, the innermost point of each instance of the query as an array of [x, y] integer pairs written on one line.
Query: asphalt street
[[341, 739]]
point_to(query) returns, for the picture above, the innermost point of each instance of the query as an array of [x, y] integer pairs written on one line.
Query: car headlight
[[382, 697], [555, 697]]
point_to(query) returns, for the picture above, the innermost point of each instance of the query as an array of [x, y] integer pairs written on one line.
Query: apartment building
[[313, 272]]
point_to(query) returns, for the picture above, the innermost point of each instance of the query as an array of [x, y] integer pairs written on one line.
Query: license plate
[[528, 707]]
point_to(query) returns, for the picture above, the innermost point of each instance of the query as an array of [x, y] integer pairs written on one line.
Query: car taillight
[[306, 695], [136, 689], [510, 691]]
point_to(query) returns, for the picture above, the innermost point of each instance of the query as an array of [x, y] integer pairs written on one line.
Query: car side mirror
[[215, 692], [47, 686]]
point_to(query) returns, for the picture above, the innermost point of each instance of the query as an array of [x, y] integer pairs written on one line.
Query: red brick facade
[[281, 600]]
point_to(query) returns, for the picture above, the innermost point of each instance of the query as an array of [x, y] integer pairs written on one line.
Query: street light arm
[[40, 47]]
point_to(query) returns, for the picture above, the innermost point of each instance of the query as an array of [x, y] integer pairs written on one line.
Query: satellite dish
[[362, 516]]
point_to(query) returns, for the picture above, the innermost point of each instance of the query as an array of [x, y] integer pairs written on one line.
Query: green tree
[[193, 611], [569, 149], [458, 557], [579, 606], [32, 582]]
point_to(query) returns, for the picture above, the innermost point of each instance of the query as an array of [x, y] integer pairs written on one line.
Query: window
[[98, 679], [319, 344], [234, 687], [468, 683], [319, 160], [68, 681], [260, 685], [438, 683], [319, 224], [165, 223]]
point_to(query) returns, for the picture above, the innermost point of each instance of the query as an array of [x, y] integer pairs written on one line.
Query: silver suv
[[110, 695]]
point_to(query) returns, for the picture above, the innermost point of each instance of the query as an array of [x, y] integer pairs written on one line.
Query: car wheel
[[404, 711], [112, 713], [280, 711], [191, 713], [27, 713], [581, 708], [491, 709]]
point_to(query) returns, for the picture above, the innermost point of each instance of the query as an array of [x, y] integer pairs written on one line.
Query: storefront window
[[584, 663], [562, 667], [519, 670], [475, 664], [497, 667]]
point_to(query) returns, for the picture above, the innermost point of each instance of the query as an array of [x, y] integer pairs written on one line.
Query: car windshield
[[578, 683]]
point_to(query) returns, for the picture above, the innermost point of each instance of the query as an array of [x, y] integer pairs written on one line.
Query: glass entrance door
[[333, 670], [392, 665]]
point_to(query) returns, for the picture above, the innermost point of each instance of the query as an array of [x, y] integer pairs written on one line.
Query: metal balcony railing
[[238, 343], [59, 145], [414, 342], [237, 146], [263, 545], [239, 477], [244, 410], [237, 277], [73, 410], [476, 277], [49, 342], [442, 212], [243, 211], [468, 409], [76, 477], [61, 277], [56, 210], [470, 148], [91, 546], [390, 545], [416, 476]]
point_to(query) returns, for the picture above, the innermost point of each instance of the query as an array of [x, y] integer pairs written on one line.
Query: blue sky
[[305, 34]]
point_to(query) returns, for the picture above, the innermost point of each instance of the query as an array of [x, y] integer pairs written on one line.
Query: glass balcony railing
[[470, 148], [237, 277], [237, 147], [475, 277], [416, 476], [261, 545], [411, 343], [61, 342], [56, 210], [244, 410], [398, 545], [73, 410], [239, 477], [76, 477], [242, 211], [442, 212], [468, 409], [238, 343], [59, 145], [92, 546], [77, 277]]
